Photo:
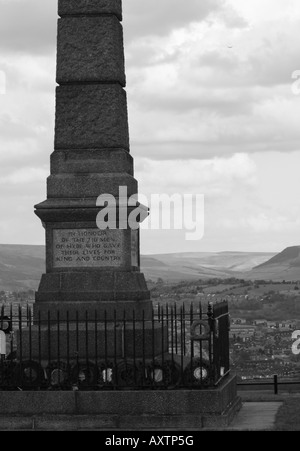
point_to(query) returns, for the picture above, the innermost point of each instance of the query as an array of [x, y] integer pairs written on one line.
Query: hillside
[[206, 265], [290, 256], [283, 266], [21, 266]]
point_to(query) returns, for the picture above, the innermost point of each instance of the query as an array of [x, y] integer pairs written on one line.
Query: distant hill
[[150, 262], [290, 256], [206, 265], [283, 266], [21, 266]]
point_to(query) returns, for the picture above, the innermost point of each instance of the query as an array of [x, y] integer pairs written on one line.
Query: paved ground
[[255, 416]]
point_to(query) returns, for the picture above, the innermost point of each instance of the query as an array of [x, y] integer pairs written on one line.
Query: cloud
[[144, 18], [27, 73], [13, 130], [28, 26], [24, 176], [263, 223], [271, 124], [209, 89], [26, 130], [18, 223], [216, 177]]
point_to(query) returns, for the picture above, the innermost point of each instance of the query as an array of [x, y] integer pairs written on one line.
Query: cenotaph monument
[[93, 311], [89, 269]]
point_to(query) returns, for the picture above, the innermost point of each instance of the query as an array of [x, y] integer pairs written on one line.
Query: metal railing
[[175, 348], [273, 384]]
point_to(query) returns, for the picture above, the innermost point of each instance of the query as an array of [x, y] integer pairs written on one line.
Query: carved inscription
[[87, 248]]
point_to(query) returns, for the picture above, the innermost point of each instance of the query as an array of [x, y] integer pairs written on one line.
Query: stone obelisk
[[95, 273], [88, 269]]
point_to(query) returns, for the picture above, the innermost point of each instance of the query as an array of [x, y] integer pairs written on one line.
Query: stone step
[[122, 409]]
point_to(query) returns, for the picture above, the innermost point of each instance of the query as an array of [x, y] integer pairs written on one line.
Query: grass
[[288, 415]]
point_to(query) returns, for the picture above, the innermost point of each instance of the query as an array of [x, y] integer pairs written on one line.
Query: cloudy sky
[[213, 110]]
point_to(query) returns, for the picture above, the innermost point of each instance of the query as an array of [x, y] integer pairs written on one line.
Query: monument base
[[96, 292], [121, 410]]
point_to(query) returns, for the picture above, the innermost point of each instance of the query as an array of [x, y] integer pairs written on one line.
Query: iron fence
[[176, 348], [271, 384]]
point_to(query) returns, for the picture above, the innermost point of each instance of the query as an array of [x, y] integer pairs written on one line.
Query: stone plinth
[[64, 185], [99, 161], [89, 270], [122, 410]]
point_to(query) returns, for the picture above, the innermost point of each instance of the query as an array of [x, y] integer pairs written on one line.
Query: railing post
[[211, 344], [275, 384]]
